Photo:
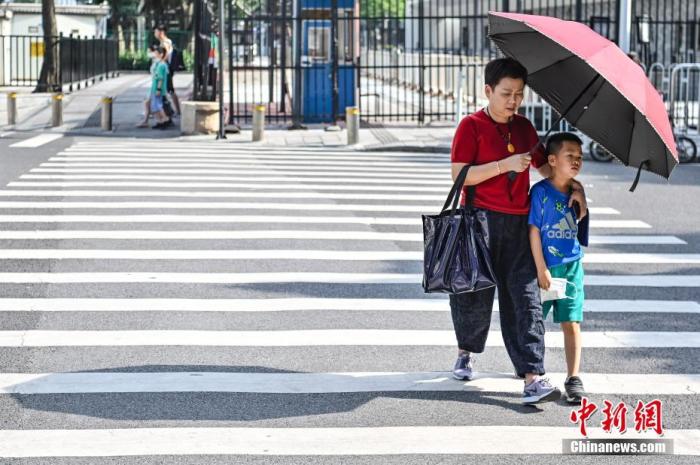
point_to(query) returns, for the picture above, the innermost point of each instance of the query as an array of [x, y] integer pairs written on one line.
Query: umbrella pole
[[563, 115]]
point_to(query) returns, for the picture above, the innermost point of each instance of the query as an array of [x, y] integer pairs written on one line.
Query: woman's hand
[[518, 162], [544, 278], [578, 196]]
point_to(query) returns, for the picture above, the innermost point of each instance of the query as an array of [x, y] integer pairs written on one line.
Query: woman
[[497, 142]]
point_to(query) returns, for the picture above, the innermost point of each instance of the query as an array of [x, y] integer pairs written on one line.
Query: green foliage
[[188, 60], [383, 8], [139, 60]]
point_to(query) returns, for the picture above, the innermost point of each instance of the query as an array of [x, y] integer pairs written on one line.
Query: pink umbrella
[[591, 83]]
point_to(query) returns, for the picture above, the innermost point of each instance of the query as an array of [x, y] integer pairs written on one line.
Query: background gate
[[406, 60]]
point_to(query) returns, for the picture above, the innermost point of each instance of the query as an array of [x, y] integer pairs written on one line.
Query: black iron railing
[[81, 60]]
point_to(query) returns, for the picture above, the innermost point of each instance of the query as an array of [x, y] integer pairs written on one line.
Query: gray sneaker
[[540, 391], [463, 368]]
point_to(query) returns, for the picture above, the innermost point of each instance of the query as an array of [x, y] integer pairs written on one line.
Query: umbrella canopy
[[593, 84]]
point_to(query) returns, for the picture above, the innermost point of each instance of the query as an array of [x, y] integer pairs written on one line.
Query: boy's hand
[[544, 278], [518, 162], [579, 196]]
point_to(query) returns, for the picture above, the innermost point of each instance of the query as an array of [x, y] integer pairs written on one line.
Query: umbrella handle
[[639, 173]]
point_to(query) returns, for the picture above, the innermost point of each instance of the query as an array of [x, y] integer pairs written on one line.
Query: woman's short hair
[[503, 68]]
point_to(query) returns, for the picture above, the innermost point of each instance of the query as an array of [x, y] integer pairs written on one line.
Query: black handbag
[[456, 254]]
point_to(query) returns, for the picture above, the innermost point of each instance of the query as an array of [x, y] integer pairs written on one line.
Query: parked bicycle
[[687, 150]]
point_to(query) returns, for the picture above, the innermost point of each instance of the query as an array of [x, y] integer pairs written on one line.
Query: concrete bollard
[[258, 123], [352, 121], [107, 113], [57, 109], [12, 108]]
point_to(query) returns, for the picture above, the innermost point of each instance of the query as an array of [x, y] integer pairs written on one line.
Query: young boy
[[556, 248]]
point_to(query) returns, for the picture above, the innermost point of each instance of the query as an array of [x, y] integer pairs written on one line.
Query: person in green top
[[158, 89], [147, 102]]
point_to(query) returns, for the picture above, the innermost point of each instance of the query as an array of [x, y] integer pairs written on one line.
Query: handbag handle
[[456, 190]]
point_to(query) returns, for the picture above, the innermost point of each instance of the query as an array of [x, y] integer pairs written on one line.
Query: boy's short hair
[[556, 142], [502, 68], [160, 27]]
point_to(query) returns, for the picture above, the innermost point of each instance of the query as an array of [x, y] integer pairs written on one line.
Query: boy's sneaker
[[463, 368], [574, 390], [540, 391]]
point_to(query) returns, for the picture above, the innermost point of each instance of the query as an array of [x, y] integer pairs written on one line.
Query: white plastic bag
[[557, 290]]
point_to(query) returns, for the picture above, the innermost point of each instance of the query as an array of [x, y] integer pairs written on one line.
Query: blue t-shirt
[[550, 212]]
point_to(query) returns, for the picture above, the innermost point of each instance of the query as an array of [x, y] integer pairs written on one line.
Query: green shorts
[[569, 309]]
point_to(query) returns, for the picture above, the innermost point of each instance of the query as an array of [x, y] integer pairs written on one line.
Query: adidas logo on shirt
[[565, 229]]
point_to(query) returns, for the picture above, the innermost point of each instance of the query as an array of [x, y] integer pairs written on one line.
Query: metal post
[[579, 10], [334, 60], [71, 62], [625, 21], [12, 108], [93, 63], [222, 20], [258, 123], [460, 96], [57, 109], [283, 58], [229, 34], [352, 121], [421, 64], [296, 98], [107, 113]]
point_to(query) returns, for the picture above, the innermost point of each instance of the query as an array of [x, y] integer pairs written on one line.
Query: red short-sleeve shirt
[[477, 142]]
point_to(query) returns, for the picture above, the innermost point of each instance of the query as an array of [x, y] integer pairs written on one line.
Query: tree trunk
[[48, 78]]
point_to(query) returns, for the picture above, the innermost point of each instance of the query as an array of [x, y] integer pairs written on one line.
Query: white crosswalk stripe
[[294, 254], [298, 383], [370, 441], [660, 281], [90, 313]]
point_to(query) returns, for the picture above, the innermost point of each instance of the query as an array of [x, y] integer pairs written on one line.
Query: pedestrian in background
[[147, 102], [172, 59], [158, 90]]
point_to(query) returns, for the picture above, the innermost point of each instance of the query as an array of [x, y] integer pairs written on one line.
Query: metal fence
[[80, 60], [400, 60]]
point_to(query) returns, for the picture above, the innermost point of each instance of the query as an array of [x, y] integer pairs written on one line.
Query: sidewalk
[[82, 108], [82, 113]]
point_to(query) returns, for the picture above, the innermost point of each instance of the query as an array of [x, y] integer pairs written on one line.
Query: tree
[[48, 77], [123, 16]]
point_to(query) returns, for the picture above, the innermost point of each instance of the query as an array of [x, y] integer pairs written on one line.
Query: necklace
[[505, 137]]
